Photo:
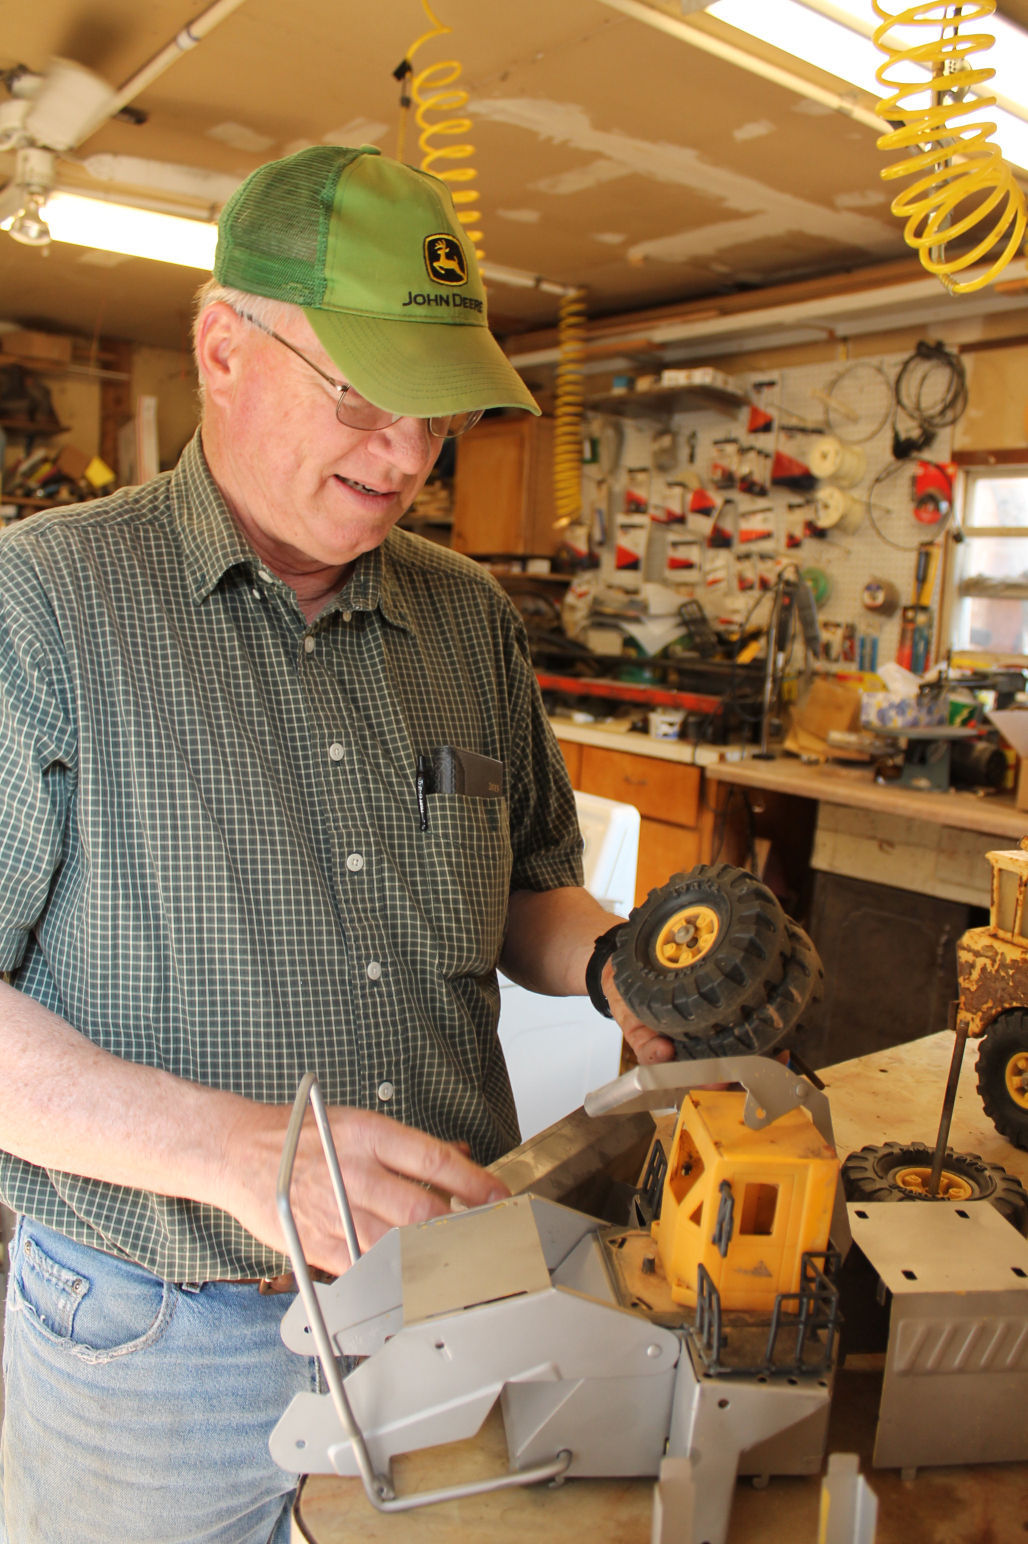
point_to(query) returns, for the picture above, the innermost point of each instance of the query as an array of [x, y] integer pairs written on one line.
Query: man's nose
[[407, 443]]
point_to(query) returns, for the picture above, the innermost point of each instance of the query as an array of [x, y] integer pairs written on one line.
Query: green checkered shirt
[[211, 859]]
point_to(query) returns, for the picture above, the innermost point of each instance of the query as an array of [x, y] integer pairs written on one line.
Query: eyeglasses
[[356, 412]]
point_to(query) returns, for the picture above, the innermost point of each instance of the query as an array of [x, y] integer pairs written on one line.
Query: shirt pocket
[[466, 874]]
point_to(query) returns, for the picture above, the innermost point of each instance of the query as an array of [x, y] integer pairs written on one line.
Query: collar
[[213, 546]]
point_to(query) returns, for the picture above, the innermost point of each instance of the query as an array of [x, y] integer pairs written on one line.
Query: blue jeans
[[136, 1409]]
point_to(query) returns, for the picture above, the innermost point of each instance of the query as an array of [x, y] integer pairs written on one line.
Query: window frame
[[961, 585]]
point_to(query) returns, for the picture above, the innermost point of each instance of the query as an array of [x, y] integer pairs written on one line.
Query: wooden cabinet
[[503, 490], [677, 828]]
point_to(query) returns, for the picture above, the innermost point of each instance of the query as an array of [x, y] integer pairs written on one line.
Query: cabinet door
[[663, 850], [503, 489], [490, 488], [572, 753], [661, 790]]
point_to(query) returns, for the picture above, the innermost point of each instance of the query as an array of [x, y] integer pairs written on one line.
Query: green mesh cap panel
[[273, 232], [374, 253]]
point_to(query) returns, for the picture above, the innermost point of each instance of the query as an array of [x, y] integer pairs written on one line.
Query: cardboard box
[[829, 706], [49, 347], [1021, 793]]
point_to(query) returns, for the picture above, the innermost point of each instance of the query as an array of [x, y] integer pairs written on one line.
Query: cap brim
[[421, 368]]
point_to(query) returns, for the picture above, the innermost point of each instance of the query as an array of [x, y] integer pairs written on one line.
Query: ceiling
[[607, 153]]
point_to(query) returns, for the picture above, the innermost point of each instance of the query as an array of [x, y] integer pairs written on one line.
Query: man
[[216, 692]]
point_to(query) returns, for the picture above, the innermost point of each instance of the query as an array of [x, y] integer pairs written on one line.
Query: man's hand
[[393, 1174], [648, 1046]]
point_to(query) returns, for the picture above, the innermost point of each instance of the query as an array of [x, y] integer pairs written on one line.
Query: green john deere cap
[[375, 254]]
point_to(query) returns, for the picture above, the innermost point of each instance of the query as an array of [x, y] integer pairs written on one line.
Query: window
[[990, 594], [759, 1204]]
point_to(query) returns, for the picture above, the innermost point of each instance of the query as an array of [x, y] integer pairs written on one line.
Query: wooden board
[[855, 786], [984, 1505], [896, 1096]]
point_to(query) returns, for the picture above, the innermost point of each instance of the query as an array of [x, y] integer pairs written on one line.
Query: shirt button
[[385, 1090], [374, 970], [336, 751], [308, 644], [347, 615], [354, 862]]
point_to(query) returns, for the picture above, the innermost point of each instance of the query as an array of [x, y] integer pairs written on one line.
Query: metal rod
[[335, 1172], [187, 38], [377, 1487], [959, 1029]]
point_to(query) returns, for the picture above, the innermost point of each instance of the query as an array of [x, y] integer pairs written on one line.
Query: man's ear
[[219, 336]]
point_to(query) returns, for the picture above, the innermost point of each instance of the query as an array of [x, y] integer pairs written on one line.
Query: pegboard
[[715, 500]]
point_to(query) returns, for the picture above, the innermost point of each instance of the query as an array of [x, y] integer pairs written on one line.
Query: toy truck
[[992, 976]]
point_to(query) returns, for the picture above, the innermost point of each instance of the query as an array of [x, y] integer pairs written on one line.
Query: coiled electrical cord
[[434, 90], [567, 413], [956, 165], [931, 390]]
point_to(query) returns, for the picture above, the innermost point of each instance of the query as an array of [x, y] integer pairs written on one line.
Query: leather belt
[[269, 1285]]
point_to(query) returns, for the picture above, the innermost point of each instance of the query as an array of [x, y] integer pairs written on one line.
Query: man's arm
[[550, 937], [66, 1104]]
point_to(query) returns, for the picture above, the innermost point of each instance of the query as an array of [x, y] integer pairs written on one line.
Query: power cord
[[301, 1526], [928, 411]]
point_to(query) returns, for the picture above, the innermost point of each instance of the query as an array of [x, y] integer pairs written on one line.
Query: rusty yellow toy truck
[[992, 975]]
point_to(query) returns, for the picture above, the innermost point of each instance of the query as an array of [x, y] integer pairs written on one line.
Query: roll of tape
[[836, 509], [844, 465], [819, 582], [880, 596]]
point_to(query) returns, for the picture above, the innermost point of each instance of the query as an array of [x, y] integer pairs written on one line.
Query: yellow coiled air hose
[[567, 411], [963, 184], [433, 90]]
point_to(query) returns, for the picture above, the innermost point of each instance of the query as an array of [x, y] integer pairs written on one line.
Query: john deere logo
[[444, 259]]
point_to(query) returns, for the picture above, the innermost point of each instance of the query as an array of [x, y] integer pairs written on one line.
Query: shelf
[[660, 401], [64, 367], [23, 501], [32, 427], [625, 691]]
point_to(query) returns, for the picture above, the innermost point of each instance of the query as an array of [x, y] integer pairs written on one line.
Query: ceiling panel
[[607, 153]]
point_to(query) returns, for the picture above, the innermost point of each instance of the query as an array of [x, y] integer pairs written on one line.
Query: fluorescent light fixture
[[111, 227], [835, 35], [790, 26]]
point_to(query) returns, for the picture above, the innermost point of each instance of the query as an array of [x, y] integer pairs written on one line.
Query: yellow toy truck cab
[[992, 980], [744, 1204]]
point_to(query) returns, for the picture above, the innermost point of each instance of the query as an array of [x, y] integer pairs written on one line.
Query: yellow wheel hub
[[1016, 1077], [952, 1187], [687, 937]]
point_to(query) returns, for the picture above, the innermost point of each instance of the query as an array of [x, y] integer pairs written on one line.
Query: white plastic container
[[559, 1048]]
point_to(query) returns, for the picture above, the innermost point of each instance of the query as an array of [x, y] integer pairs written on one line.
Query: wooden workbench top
[[832, 783], [894, 1094], [828, 782]]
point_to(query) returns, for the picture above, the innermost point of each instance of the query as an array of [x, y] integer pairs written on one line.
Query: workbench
[[933, 843], [928, 842], [894, 1094]]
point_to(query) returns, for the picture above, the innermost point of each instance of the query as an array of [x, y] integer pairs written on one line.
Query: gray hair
[[270, 313]]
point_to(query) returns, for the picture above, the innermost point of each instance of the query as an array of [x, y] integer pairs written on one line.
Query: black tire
[[701, 953], [765, 1027], [1003, 1075], [878, 1173]]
